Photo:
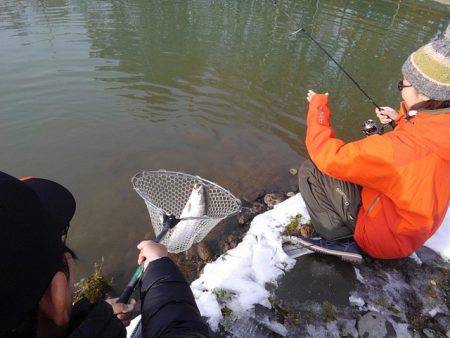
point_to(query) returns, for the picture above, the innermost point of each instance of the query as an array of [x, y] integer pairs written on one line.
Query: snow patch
[[434, 311], [359, 277], [440, 241], [401, 329], [416, 258], [130, 328], [275, 326], [356, 301], [245, 270]]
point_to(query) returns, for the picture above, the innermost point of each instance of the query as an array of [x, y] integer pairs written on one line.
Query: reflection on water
[[93, 91]]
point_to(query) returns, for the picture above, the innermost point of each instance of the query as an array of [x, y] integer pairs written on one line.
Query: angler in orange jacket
[[389, 192]]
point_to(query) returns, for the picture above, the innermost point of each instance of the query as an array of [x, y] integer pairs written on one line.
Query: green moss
[[94, 287], [223, 296], [222, 328], [222, 293], [292, 227], [328, 312], [308, 314], [294, 317]]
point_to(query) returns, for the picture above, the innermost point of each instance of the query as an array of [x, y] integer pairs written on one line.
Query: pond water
[[92, 92]]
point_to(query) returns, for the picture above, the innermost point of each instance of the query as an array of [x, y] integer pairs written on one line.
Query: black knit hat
[[34, 213]]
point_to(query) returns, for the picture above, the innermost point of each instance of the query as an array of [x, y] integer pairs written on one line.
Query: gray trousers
[[332, 204]]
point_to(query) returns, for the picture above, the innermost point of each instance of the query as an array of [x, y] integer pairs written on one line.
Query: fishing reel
[[370, 128]]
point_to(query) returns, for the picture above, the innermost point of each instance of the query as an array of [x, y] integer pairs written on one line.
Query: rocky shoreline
[[398, 298], [383, 298], [407, 297]]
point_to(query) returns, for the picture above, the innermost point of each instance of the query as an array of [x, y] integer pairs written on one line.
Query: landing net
[[167, 192]]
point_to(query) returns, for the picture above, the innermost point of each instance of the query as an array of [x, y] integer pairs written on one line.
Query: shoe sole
[[348, 257]]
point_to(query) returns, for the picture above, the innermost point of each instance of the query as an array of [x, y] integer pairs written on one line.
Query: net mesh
[[168, 192]]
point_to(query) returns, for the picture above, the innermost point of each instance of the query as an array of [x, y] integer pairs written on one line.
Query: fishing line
[[301, 29]]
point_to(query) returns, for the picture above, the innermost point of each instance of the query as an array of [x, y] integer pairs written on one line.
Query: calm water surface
[[92, 92]]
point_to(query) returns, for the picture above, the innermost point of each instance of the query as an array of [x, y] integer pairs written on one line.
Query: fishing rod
[[169, 221], [369, 126]]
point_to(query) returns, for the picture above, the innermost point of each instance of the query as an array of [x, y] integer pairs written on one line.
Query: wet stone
[[250, 211], [322, 278], [375, 325], [432, 334]]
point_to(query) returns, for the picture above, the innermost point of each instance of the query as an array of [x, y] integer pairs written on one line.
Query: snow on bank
[[440, 241], [259, 259], [243, 272]]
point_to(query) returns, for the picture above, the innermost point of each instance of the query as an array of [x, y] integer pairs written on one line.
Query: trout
[[195, 207]]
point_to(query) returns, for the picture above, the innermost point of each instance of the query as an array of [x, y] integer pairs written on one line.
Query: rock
[[432, 334], [347, 328], [273, 199], [375, 325], [231, 242], [247, 213], [290, 194], [205, 252], [443, 322]]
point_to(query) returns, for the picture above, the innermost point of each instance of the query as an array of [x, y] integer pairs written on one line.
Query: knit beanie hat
[[428, 69]]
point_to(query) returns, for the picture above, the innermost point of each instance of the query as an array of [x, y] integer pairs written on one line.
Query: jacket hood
[[432, 128]]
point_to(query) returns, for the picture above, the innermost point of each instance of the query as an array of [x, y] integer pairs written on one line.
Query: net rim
[[159, 171]]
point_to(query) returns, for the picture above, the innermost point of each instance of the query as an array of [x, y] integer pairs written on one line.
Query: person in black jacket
[[167, 304], [36, 283]]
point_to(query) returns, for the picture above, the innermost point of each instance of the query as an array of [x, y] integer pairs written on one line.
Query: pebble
[[273, 199]]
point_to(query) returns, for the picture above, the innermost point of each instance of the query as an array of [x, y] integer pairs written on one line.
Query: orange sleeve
[[366, 162]]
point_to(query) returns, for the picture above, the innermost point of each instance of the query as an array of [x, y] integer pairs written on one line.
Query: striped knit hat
[[428, 70]]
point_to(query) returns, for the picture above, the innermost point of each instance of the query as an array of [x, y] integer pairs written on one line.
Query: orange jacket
[[404, 174]]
